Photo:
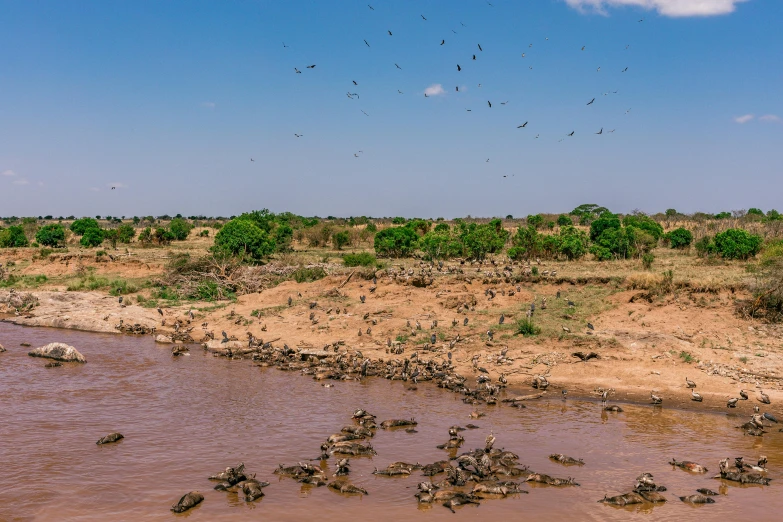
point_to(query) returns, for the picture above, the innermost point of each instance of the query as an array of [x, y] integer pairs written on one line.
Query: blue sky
[[169, 101]]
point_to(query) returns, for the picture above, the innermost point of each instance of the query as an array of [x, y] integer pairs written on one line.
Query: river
[[186, 418]]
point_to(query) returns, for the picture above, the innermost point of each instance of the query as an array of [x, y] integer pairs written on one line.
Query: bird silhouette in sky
[[458, 68], [591, 101], [368, 45], [600, 131], [423, 18], [522, 126], [479, 46]]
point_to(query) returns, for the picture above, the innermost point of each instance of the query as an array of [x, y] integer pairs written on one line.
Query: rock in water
[[188, 501], [58, 352], [111, 437], [1, 348], [163, 339]]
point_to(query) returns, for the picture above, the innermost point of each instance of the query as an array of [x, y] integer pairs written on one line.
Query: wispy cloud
[[744, 118], [774, 118], [672, 8], [435, 89], [207, 105], [20, 181], [8, 173]]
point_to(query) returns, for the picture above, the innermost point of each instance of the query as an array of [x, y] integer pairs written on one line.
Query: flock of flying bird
[[459, 68]]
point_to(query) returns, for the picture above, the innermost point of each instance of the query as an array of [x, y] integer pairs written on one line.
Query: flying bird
[[423, 18], [389, 33], [458, 68], [591, 101], [474, 56], [598, 69], [572, 133], [625, 69], [251, 159], [371, 8], [311, 66], [600, 131], [442, 42], [583, 47], [523, 55], [354, 82], [364, 113], [503, 103], [113, 189], [457, 87], [399, 91], [397, 66], [365, 42], [489, 103], [463, 25], [284, 45], [479, 46], [522, 126], [298, 135], [297, 71]]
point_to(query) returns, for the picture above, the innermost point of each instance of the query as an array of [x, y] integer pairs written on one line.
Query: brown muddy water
[[189, 417]]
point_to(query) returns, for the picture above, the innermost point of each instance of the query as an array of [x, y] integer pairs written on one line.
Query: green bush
[[774, 215], [372, 227], [525, 327], [563, 220], [613, 240], [308, 275], [645, 223], [92, 237], [573, 242], [145, 236], [680, 238], [527, 243], [607, 221], [284, 235], [80, 226], [180, 229], [480, 240], [360, 259], [52, 235], [705, 246], [723, 215], [535, 221], [13, 237], [395, 242], [442, 227], [125, 233], [647, 260], [440, 244], [243, 238], [736, 243], [340, 239], [398, 221]]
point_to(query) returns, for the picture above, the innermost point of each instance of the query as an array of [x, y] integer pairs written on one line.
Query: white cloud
[[8, 173], [744, 118], [208, 105], [770, 117], [435, 89], [673, 8], [20, 181]]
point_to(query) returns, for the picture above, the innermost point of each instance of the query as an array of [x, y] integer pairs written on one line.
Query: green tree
[[755, 212], [52, 235], [13, 237], [480, 240], [80, 226], [243, 238], [145, 236], [92, 237], [284, 235], [395, 242]]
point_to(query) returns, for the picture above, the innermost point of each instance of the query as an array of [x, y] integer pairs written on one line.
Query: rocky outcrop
[[163, 339], [58, 352], [218, 346]]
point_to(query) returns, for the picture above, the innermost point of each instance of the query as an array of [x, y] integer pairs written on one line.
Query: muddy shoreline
[[631, 372]]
